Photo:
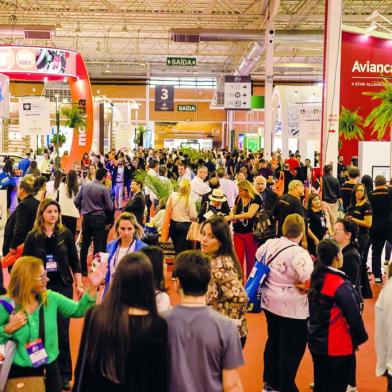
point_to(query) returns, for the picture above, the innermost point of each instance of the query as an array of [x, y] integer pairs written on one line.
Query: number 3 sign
[[164, 98]]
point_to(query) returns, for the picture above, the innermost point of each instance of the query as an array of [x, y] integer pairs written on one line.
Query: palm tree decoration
[[350, 124], [75, 118], [161, 188], [380, 118]]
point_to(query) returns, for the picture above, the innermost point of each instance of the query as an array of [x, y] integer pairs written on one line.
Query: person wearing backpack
[[285, 304]]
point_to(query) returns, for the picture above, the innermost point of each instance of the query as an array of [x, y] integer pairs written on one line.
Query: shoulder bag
[[166, 221], [32, 383], [256, 280], [264, 229]]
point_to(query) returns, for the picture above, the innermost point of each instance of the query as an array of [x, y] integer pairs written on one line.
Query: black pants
[[70, 223], [64, 358], [331, 373], [178, 232], [364, 244], [389, 378], [283, 351], [148, 206], [52, 377], [378, 238], [93, 228]]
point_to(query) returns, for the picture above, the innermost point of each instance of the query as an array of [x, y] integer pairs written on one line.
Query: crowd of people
[[100, 232]]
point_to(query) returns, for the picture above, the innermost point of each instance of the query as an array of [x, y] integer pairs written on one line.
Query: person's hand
[[80, 289], [98, 275], [16, 321], [302, 287]]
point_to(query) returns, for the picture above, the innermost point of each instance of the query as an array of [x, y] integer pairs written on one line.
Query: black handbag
[[264, 228]]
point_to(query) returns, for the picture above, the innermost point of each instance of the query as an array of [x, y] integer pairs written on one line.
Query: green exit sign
[[181, 61], [186, 108]]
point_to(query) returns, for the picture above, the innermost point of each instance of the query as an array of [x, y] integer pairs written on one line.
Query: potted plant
[[350, 124], [380, 118], [161, 188], [74, 117], [58, 140]]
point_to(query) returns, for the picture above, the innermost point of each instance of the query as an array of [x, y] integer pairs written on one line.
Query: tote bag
[[256, 280], [194, 232], [279, 186], [166, 222]]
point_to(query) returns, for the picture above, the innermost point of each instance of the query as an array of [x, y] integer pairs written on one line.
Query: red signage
[[34, 60], [365, 62]]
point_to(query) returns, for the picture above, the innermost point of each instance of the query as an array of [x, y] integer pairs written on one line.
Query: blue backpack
[[256, 280]]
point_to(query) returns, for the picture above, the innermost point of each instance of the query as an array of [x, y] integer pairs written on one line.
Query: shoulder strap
[[271, 259], [9, 307]]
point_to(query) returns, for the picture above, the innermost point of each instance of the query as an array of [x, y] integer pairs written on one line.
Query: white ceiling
[[131, 38]]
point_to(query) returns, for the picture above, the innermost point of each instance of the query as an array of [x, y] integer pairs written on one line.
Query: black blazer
[[136, 206], [127, 175], [20, 222], [271, 198], [65, 254], [205, 199]]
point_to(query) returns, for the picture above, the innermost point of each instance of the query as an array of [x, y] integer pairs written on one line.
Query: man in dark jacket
[[269, 197], [22, 219], [330, 194], [137, 205]]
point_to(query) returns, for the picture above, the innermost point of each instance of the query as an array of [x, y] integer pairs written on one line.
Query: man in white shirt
[[198, 186], [44, 166], [229, 188], [384, 331], [182, 173], [162, 176]]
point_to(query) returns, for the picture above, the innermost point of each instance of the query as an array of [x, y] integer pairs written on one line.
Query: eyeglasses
[[43, 277]]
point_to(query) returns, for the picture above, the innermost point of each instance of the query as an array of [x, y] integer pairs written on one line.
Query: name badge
[[208, 214], [51, 264], [37, 353]]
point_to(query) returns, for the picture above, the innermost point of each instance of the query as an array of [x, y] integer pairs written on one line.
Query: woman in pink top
[[285, 304]]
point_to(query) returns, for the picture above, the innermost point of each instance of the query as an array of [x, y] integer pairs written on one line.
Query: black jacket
[[136, 206], [20, 222], [127, 175], [65, 254], [206, 198], [270, 200]]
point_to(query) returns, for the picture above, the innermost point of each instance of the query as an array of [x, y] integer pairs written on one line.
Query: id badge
[[51, 264], [37, 353]]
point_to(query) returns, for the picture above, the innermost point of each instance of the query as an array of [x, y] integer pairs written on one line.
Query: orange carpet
[[251, 373]]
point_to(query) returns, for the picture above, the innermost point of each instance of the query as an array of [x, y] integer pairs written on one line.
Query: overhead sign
[[181, 61], [164, 98], [186, 108], [20, 59], [34, 115], [4, 96], [238, 92]]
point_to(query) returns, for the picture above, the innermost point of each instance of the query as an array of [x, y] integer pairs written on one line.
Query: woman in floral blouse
[[226, 293]]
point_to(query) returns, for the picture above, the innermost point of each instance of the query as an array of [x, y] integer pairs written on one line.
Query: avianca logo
[[372, 68]]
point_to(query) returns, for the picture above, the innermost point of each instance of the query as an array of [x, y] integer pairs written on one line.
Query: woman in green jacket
[[32, 302]]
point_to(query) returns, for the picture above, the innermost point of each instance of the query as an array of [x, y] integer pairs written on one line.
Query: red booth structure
[[29, 63]]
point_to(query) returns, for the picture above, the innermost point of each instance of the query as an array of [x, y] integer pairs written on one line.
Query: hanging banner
[[164, 98], [365, 61], [309, 120], [22, 59], [4, 96], [34, 116]]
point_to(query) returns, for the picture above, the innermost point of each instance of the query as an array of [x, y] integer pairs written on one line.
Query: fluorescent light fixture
[[373, 26], [373, 15], [107, 69]]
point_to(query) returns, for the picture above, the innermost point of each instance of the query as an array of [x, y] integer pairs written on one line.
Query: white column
[[269, 85], [331, 83]]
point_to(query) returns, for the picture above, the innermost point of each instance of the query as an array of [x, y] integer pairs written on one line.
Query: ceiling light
[[107, 69], [372, 27], [78, 29], [124, 28], [373, 15]]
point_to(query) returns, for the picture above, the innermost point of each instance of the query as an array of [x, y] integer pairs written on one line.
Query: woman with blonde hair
[[183, 212], [53, 243], [244, 215], [30, 312], [128, 239]]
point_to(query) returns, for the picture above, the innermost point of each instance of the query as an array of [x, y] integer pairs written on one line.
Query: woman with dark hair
[[53, 186], [318, 225], [7, 180], [226, 293], [360, 212], [124, 344], [368, 182], [40, 188], [156, 256], [53, 243], [67, 193], [333, 303], [33, 169]]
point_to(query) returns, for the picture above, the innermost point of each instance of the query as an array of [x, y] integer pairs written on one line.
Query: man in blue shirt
[[24, 164]]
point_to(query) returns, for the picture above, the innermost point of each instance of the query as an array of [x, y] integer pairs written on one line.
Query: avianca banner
[[22, 59], [365, 61]]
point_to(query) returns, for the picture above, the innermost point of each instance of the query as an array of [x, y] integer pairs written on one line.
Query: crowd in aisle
[[96, 241]]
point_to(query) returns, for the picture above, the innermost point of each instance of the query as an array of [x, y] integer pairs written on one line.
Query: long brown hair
[[39, 226], [109, 332], [22, 279]]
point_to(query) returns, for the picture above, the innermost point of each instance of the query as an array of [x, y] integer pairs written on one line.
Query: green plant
[[61, 139], [75, 118], [39, 151], [380, 118], [161, 188], [350, 124], [140, 131], [193, 155]]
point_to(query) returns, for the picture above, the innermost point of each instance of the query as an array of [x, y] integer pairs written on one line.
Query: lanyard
[[118, 252]]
